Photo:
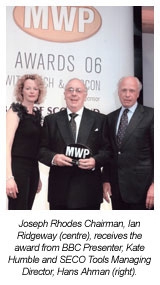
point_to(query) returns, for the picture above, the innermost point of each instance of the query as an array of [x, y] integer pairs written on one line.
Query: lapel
[[64, 127], [134, 122], [113, 126], [85, 126]]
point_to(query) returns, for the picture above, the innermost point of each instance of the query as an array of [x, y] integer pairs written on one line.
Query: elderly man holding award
[[75, 146]]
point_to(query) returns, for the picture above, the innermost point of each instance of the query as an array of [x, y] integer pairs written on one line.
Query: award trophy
[[76, 152]]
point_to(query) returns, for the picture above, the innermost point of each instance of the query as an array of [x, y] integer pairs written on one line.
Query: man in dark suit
[[129, 182], [75, 184]]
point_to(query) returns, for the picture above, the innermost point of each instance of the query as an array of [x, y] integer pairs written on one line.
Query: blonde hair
[[20, 84]]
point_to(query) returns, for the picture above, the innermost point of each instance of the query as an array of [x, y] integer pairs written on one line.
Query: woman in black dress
[[23, 128]]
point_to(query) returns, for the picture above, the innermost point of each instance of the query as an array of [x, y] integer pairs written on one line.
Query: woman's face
[[30, 91]]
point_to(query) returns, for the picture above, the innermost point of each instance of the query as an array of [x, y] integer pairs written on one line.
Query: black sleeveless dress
[[24, 157]]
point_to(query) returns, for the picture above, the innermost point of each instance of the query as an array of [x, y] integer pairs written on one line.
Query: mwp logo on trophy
[[76, 152]]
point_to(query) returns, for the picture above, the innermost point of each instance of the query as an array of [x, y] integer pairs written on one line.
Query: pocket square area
[[96, 130]]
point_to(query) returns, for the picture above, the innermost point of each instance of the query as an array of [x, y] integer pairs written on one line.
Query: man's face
[[128, 92], [75, 95]]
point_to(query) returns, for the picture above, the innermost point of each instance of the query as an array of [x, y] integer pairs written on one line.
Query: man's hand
[[87, 163], [150, 197], [62, 160], [107, 191]]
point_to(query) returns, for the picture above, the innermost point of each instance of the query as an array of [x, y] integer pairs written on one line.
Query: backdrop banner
[[94, 44]]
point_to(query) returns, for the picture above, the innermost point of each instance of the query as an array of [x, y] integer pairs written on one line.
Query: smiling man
[[129, 180], [75, 183]]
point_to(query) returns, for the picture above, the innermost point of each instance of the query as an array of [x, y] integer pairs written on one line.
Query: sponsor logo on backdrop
[[58, 23]]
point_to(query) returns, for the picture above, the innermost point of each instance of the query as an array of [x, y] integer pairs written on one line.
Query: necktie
[[73, 124], [122, 127]]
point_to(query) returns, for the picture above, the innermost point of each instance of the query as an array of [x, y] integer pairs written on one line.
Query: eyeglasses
[[77, 90]]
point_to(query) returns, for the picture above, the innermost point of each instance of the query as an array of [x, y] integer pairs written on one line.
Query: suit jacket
[[71, 185], [131, 170]]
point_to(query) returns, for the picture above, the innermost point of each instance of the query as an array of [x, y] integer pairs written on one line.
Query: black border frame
[[138, 55]]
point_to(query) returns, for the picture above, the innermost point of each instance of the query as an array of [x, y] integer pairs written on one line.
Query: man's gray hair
[[78, 80], [138, 82]]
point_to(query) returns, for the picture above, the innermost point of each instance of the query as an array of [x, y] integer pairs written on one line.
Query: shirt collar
[[132, 109], [79, 112]]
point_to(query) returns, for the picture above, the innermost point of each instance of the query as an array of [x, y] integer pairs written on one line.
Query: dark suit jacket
[[85, 185], [131, 170]]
